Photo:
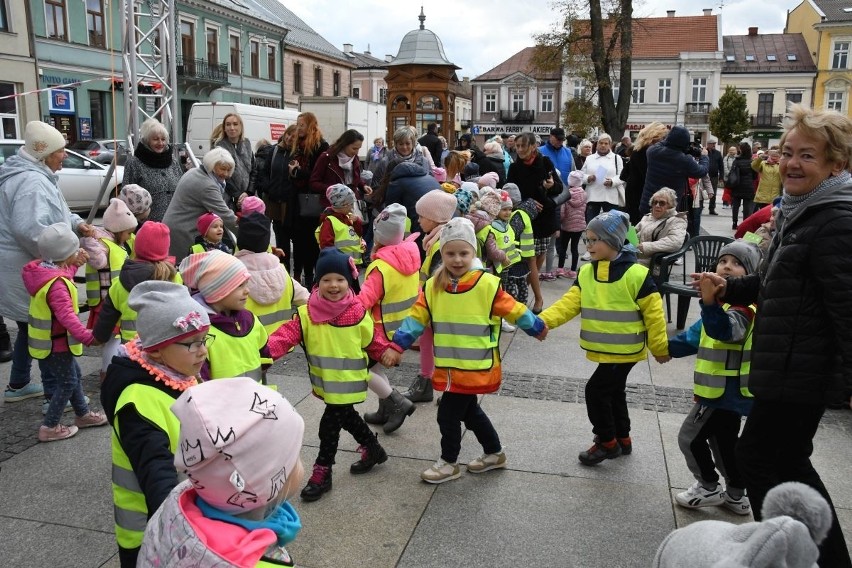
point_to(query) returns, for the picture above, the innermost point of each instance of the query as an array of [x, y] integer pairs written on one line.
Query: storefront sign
[[61, 101], [264, 102], [276, 131], [85, 128], [57, 80], [511, 128]]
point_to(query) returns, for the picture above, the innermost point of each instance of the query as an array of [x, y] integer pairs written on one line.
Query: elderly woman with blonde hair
[[663, 230], [635, 169], [200, 190]]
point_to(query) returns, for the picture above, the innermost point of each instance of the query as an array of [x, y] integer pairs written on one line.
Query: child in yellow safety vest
[[721, 338], [138, 200], [622, 313], [237, 338], [339, 228], [390, 288], [338, 335], [515, 279], [211, 235], [141, 384], [55, 333], [463, 307], [482, 214]]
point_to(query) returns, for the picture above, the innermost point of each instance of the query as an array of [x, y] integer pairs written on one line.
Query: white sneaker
[[440, 472], [741, 506], [697, 496], [586, 256], [507, 327], [487, 462], [679, 261]]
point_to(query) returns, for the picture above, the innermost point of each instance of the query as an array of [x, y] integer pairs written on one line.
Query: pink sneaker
[[571, 274], [560, 273], [91, 419], [546, 276], [58, 432]]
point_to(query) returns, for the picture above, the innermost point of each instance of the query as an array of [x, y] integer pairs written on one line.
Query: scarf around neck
[[152, 159], [790, 203], [284, 521], [347, 164], [159, 371], [321, 310]]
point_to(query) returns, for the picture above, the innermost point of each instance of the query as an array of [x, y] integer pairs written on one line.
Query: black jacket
[[802, 346], [669, 166], [529, 180], [633, 175], [745, 188], [716, 169], [495, 165], [432, 143]]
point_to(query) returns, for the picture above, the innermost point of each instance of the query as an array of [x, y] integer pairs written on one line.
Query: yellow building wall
[[837, 79], [801, 19]]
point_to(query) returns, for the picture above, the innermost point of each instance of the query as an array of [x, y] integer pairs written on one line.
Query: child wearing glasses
[[622, 317], [143, 381], [222, 284]]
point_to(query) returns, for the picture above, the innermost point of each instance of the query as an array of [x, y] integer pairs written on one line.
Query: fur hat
[[437, 205], [42, 140], [389, 225], [165, 313], [152, 242], [255, 232], [213, 273], [57, 242], [514, 192], [796, 520], [459, 229], [340, 195], [611, 227], [226, 426], [118, 217], [489, 202], [137, 198], [488, 179], [204, 222], [575, 179], [332, 261], [747, 253], [253, 204]]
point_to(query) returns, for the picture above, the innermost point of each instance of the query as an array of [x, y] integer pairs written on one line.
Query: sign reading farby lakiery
[[495, 128]]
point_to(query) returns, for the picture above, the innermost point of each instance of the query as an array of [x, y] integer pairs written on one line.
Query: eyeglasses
[[590, 242], [195, 346], [660, 203]]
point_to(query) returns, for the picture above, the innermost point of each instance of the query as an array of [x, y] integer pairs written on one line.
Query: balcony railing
[[524, 116], [697, 113], [191, 68], [766, 120]]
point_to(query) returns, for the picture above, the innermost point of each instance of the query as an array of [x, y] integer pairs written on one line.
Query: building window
[[840, 59], [4, 17], [518, 102], [297, 78], [212, 36], [97, 110], [254, 50], [764, 108], [579, 89], [664, 93], [836, 100], [54, 15], [699, 89], [95, 22], [638, 93], [270, 62], [187, 41], [383, 96], [356, 92], [234, 47], [335, 84], [547, 101], [794, 98], [9, 127], [490, 101], [317, 81]]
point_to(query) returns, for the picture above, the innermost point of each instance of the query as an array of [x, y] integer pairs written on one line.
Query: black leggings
[[305, 249], [565, 238], [339, 417], [748, 208]]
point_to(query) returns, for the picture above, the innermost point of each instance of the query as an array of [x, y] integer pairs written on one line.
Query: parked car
[[80, 178], [101, 151]]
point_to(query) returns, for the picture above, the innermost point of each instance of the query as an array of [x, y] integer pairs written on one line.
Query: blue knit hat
[[611, 227]]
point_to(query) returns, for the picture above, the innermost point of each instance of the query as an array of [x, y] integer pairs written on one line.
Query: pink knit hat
[[213, 273], [437, 205], [152, 242], [118, 218], [204, 222], [252, 204], [439, 174], [239, 442], [488, 179], [489, 202]]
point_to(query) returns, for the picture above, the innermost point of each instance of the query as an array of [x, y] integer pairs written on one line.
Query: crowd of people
[[423, 247]]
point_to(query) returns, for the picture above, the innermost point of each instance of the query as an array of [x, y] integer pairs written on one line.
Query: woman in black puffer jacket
[[743, 192], [801, 353]]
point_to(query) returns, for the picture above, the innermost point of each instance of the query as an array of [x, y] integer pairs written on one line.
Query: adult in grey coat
[[200, 190], [30, 201], [154, 167]]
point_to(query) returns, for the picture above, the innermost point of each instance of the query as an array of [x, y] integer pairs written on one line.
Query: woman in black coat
[[633, 173], [743, 192]]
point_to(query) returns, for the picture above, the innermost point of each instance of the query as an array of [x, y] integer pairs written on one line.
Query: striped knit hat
[[213, 273]]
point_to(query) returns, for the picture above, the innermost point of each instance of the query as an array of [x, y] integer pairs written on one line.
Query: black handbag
[[309, 205], [733, 179]]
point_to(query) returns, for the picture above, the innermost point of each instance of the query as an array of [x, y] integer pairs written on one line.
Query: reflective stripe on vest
[[95, 291], [525, 242], [465, 334], [431, 262], [400, 293], [230, 356], [40, 322], [611, 321], [346, 240], [718, 360], [506, 243], [272, 316], [337, 363], [129, 507]]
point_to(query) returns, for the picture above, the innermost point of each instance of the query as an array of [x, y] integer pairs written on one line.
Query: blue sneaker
[[30, 390], [46, 404]]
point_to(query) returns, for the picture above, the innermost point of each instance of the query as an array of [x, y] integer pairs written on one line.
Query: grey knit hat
[[514, 192], [165, 313], [747, 253], [57, 242], [389, 225], [610, 227], [459, 229], [340, 195]]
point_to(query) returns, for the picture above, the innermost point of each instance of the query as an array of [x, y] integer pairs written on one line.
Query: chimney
[[388, 58], [347, 48], [752, 31], [708, 11], [670, 13], [368, 50], [465, 79]]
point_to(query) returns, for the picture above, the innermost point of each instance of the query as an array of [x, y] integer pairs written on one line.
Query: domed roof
[[421, 47]]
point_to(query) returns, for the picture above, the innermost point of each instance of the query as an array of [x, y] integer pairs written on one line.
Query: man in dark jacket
[[670, 166], [716, 171], [431, 142]]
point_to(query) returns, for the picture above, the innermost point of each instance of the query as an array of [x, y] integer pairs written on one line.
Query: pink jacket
[[573, 214], [35, 275], [404, 258], [98, 253]]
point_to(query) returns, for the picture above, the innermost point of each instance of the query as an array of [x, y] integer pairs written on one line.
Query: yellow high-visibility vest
[[506, 243], [40, 324], [525, 242], [127, 320], [611, 319], [346, 240], [400, 294], [95, 291], [718, 360], [433, 256], [230, 356]]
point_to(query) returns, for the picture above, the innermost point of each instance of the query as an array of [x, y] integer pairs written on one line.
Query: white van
[[258, 123]]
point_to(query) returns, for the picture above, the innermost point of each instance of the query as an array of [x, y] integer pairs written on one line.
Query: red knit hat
[[204, 222], [152, 242]]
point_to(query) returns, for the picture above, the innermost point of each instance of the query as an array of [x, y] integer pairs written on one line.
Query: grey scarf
[[789, 203]]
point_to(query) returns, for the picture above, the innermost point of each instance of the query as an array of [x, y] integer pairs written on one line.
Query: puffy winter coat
[[669, 166], [660, 235], [409, 182]]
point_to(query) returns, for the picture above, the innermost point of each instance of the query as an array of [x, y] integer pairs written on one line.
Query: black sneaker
[[598, 453], [318, 484], [370, 456]]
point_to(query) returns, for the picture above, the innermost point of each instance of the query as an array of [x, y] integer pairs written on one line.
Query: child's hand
[[661, 359], [82, 258], [543, 335], [708, 290], [278, 252], [391, 358]]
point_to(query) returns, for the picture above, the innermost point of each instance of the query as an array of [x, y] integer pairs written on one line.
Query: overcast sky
[[478, 36]]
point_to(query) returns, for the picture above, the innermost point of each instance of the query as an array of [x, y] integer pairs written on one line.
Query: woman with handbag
[[276, 189], [306, 149], [741, 181], [340, 164]]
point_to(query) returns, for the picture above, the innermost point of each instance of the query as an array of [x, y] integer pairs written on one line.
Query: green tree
[[730, 120], [581, 116], [593, 42]]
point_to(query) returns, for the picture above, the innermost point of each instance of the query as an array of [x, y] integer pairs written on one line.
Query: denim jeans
[[456, 408], [19, 376], [69, 386]]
